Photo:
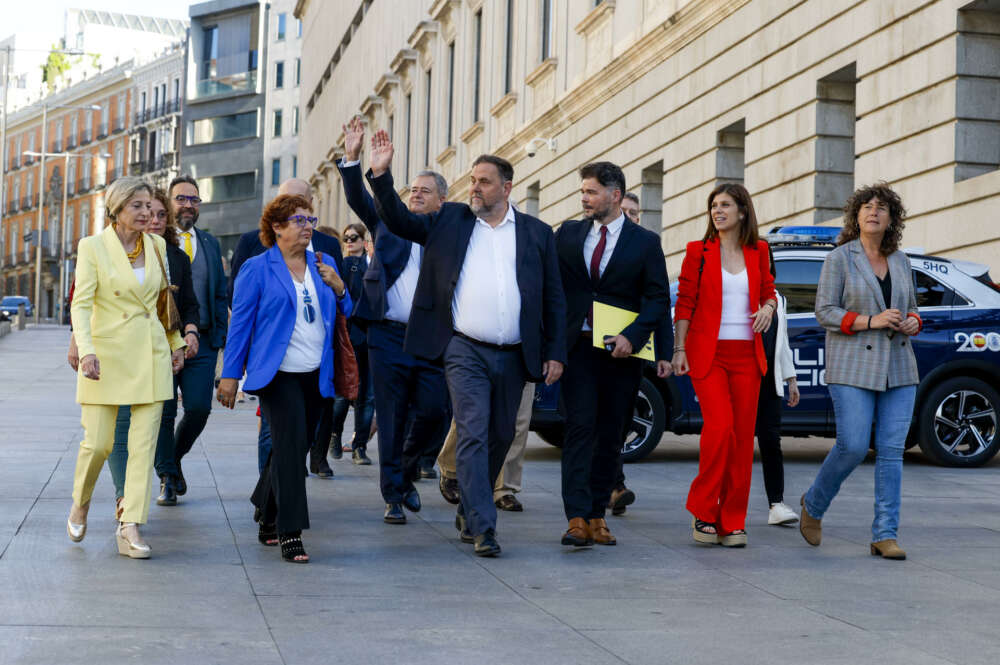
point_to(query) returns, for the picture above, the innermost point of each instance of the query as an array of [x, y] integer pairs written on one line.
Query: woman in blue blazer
[[281, 334]]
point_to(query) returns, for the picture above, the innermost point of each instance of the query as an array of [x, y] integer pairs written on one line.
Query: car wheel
[[551, 434], [649, 418], [958, 422]]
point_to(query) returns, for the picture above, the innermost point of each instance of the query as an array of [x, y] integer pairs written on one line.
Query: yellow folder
[[610, 321]]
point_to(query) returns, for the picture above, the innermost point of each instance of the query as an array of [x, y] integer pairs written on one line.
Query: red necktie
[[595, 268]]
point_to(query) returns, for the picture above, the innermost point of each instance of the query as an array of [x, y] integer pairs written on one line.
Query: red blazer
[[701, 302]]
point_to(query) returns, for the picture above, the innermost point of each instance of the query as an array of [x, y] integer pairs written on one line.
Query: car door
[[797, 278]]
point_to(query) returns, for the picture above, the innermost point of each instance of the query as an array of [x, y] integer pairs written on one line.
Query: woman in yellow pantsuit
[[126, 357]]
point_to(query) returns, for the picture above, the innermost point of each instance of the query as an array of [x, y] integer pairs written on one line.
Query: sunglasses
[[308, 311], [302, 220], [193, 200], [352, 238]]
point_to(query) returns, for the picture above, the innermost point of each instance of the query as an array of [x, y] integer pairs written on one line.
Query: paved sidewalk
[[412, 594]]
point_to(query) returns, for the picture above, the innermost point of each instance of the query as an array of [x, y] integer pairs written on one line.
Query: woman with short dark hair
[[866, 302], [285, 304]]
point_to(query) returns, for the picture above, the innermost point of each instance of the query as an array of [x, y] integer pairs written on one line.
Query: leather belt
[[393, 324], [489, 345]]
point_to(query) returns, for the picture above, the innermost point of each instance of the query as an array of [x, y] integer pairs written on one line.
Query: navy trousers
[[197, 384], [485, 386], [403, 383]]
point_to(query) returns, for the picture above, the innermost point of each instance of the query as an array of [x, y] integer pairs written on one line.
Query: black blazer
[[250, 246], [218, 307], [179, 266], [392, 253], [445, 237], [634, 279], [354, 270]]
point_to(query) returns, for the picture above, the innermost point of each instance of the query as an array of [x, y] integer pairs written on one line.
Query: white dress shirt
[[305, 348], [487, 301], [590, 244], [194, 241], [399, 298]]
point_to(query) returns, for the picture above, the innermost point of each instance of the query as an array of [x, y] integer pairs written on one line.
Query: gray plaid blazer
[[870, 359]]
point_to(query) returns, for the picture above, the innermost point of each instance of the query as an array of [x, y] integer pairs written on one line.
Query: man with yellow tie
[[198, 381]]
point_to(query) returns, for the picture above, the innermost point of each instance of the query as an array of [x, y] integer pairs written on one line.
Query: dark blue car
[[958, 356]]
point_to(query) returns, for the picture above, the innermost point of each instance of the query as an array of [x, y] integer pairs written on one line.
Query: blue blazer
[[264, 310], [391, 252]]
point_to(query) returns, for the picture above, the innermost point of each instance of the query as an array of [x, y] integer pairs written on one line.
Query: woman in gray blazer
[[865, 300]]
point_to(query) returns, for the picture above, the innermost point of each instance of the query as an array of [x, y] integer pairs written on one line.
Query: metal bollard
[[21, 316]]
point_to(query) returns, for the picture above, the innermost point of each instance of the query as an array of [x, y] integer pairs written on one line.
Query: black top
[[180, 276], [886, 285]]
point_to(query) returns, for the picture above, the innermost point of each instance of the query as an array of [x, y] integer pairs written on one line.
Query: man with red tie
[[603, 259]]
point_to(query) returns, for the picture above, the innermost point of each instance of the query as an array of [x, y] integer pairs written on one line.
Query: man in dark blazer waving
[[490, 305], [604, 259]]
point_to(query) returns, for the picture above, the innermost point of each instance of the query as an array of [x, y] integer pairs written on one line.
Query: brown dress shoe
[[578, 533], [810, 527], [600, 532], [621, 498], [888, 549]]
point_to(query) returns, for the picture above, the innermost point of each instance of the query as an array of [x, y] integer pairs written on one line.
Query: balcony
[[12, 206], [85, 138], [83, 185], [119, 125], [71, 142], [29, 160], [114, 174], [167, 160], [102, 131], [15, 163], [29, 202], [243, 82], [56, 146], [70, 188]]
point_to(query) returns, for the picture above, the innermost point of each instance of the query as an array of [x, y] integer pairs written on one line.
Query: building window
[[546, 30], [84, 220], [295, 121], [730, 158], [409, 125], [279, 74], [29, 188], [451, 93], [277, 122], [508, 74], [276, 172], [298, 27], [298, 71], [68, 227], [282, 19], [156, 99], [121, 110], [216, 189], [225, 127], [836, 111], [977, 130], [295, 166], [142, 102], [427, 120], [651, 197], [210, 52], [477, 60], [177, 92]]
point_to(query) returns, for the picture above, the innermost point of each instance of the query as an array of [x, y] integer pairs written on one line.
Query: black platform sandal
[[704, 532], [268, 534], [291, 548]]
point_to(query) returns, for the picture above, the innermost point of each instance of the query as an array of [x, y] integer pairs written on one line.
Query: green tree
[[54, 68]]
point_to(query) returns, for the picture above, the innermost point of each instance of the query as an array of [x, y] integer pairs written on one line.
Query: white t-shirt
[[305, 348], [736, 320]]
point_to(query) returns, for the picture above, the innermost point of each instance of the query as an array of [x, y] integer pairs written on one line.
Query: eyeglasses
[[308, 311], [302, 220], [193, 200], [352, 238]]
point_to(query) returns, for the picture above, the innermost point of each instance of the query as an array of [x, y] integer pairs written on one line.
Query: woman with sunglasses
[[282, 332]]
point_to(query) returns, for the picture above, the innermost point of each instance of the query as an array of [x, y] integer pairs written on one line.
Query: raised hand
[[354, 139], [381, 155]]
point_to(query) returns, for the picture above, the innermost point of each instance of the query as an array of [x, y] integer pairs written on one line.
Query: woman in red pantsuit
[[724, 301]]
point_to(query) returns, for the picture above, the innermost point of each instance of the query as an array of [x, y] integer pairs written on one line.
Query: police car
[[958, 357]]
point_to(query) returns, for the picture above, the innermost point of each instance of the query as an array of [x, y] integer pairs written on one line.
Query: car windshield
[[11, 300]]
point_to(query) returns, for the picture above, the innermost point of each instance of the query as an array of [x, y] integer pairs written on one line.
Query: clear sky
[[48, 16]]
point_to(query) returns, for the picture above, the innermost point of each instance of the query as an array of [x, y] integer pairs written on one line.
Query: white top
[[194, 241], [399, 298], [140, 274], [305, 348], [784, 365], [590, 244], [736, 322], [487, 302]]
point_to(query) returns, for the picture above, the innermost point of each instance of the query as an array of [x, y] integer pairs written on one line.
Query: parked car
[[9, 305], [958, 356]]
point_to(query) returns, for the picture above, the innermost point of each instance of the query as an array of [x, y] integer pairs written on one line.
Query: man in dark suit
[[604, 259], [249, 246], [410, 391], [489, 305], [197, 380]]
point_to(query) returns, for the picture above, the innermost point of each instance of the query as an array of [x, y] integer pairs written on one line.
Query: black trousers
[[291, 403], [599, 394], [769, 439]]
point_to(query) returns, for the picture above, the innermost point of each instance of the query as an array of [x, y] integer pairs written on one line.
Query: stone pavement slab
[[376, 593]]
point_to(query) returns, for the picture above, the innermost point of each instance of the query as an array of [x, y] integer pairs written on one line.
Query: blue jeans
[[164, 464], [855, 410]]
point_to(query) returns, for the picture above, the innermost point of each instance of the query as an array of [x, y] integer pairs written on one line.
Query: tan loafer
[[578, 533], [810, 527], [600, 532], [888, 549]]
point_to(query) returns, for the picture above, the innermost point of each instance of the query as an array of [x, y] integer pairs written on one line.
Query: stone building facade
[[800, 100], [155, 134]]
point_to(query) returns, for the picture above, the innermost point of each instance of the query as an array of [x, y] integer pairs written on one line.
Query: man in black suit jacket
[[489, 304], [605, 259]]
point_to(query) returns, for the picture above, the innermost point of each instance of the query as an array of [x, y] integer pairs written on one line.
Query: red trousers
[[728, 400]]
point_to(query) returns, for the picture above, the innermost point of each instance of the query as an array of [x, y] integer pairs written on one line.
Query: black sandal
[[702, 534], [268, 534], [291, 547]]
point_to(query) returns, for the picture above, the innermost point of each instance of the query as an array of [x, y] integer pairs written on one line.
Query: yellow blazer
[[114, 317]]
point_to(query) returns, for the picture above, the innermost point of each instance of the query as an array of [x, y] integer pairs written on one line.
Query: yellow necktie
[[188, 249]]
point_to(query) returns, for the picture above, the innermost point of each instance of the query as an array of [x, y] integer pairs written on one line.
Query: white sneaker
[[781, 514]]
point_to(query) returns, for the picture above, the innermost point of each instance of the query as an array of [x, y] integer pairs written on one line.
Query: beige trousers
[[98, 422], [509, 480]]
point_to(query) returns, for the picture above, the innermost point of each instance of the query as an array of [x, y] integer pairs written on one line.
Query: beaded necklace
[[134, 254]]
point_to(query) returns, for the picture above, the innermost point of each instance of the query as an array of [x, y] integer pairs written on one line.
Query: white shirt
[[399, 298], [590, 244], [487, 301], [736, 320], [140, 274], [305, 348], [194, 242]]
